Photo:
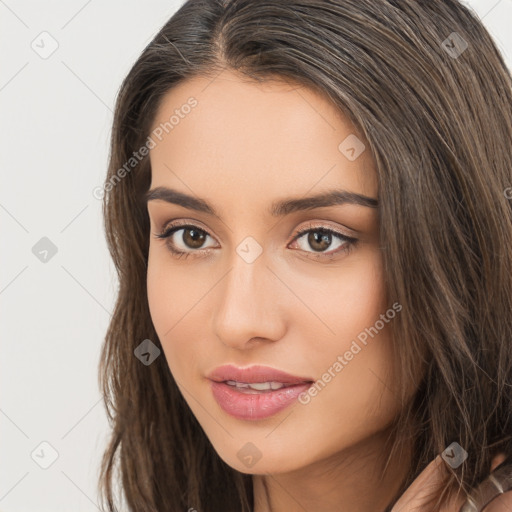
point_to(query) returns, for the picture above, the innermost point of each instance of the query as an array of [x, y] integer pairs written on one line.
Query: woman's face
[[248, 292]]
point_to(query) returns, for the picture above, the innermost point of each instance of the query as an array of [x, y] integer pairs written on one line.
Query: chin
[[260, 458]]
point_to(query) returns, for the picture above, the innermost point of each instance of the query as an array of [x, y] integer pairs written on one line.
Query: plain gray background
[[56, 112]]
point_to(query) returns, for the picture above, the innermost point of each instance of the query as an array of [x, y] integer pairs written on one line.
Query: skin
[[244, 146]]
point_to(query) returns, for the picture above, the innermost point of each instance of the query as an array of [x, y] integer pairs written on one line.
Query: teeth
[[237, 384], [258, 386]]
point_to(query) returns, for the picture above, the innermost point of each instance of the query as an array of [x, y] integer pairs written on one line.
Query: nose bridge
[[246, 307], [243, 285]]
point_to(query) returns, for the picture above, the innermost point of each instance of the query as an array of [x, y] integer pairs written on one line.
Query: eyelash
[[349, 242]]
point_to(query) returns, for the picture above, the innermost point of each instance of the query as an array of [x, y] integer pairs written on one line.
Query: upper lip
[[253, 374]]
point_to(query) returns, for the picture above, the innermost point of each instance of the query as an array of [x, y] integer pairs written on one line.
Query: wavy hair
[[424, 83]]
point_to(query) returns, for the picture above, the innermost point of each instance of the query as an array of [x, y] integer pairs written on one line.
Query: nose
[[249, 305]]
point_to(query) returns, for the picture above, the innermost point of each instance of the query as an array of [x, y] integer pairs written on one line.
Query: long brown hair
[[424, 83]]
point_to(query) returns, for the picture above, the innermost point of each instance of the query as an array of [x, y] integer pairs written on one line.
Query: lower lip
[[257, 406]]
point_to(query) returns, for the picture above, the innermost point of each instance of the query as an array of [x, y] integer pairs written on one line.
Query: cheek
[[356, 364], [172, 289], [354, 396], [160, 292], [348, 299], [170, 296]]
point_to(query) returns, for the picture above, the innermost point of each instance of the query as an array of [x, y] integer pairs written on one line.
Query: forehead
[[259, 139]]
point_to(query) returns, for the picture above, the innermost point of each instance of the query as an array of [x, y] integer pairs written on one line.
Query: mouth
[[257, 387], [257, 392]]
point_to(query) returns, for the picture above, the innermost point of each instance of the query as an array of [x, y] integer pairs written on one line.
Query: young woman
[[308, 204]]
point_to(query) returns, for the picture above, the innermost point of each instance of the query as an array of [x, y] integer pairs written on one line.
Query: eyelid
[[325, 225]]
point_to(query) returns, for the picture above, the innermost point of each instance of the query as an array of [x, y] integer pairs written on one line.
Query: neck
[[355, 479]]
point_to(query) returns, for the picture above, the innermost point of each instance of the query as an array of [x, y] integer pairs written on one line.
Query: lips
[[255, 374], [257, 392]]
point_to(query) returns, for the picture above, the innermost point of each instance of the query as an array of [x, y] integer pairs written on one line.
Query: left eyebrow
[[330, 198], [278, 208]]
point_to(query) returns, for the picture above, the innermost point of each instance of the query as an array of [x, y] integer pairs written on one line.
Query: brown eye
[[190, 241], [193, 237], [319, 240]]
